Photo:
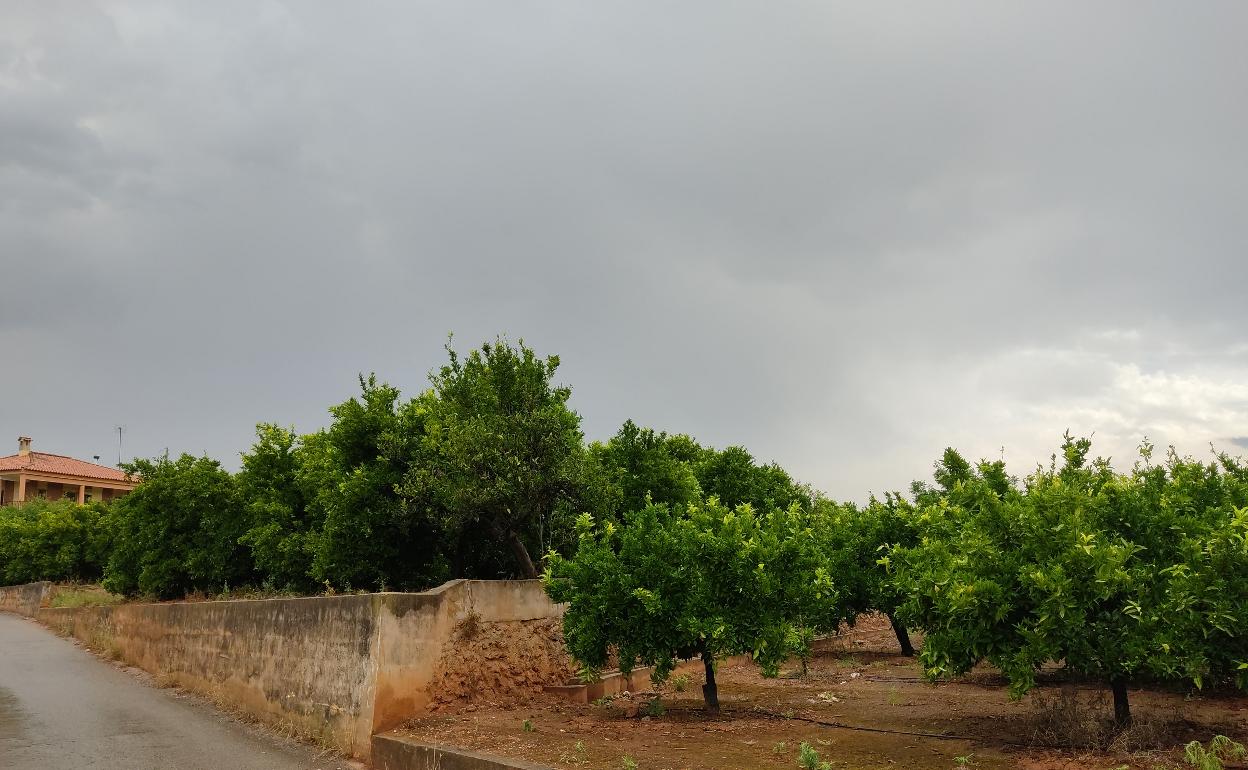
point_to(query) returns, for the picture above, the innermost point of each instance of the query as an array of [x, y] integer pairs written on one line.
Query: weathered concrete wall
[[394, 752], [422, 644], [23, 599], [302, 663], [336, 669]]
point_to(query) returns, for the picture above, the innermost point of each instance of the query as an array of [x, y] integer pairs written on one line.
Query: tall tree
[[502, 447], [640, 466], [734, 477], [370, 536], [179, 530], [280, 524]]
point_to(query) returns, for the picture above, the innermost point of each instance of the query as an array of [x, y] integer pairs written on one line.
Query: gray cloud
[[844, 237]]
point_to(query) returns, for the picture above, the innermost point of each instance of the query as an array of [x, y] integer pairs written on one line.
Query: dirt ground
[[501, 663], [860, 705]]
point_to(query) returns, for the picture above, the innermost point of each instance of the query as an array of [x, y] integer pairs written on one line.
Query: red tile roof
[[42, 462]]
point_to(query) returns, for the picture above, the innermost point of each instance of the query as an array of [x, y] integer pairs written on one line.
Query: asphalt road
[[63, 708]]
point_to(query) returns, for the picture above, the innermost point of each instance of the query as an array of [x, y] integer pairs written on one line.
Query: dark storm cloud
[[844, 237]]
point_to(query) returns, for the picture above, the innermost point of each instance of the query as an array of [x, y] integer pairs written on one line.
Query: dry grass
[[1069, 718], [82, 595], [468, 628]]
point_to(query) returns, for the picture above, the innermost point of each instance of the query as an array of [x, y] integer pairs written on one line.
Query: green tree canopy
[[640, 466], [1116, 576], [706, 581], [179, 530], [501, 448], [53, 540], [280, 521], [732, 476], [369, 535]]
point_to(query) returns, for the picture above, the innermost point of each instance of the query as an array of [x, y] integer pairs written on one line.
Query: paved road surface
[[61, 708]]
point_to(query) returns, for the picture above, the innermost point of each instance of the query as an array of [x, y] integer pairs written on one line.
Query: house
[[30, 475]]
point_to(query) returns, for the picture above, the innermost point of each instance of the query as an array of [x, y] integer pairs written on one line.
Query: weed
[[1220, 748], [469, 626], [628, 763], [808, 758], [967, 760], [894, 696], [781, 747], [527, 726], [578, 755], [680, 683], [165, 681], [587, 674]]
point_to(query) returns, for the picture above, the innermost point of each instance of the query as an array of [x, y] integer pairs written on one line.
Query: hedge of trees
[[1118, 577], [53, 540], [666, 549], [479, 475]]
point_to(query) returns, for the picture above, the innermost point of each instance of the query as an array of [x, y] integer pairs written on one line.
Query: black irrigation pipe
[[887, 731], [864, 729]]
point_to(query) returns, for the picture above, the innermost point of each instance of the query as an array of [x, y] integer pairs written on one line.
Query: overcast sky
[[843, 236]]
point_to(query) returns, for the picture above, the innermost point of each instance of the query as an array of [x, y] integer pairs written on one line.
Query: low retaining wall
[[393, 752], [24, 599], [336, 669]]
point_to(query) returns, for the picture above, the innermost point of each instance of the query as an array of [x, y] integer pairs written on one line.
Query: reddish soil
[[501, 663], [860, 705]]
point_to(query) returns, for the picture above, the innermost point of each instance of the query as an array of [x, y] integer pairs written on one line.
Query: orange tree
[[1142, 576], [855, 542], [704, 581]]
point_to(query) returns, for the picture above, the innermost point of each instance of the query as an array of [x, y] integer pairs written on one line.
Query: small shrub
[[587, 674], [680, 682], [469, 627], [1220, 748], [655, 708], [807, 757], [578, 755]]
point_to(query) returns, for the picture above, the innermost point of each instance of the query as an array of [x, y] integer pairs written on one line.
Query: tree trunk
[[1122, 709], [527, 568], [903, 636], [710, 693]]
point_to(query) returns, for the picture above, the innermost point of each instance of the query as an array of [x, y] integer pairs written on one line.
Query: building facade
[[30, 475]]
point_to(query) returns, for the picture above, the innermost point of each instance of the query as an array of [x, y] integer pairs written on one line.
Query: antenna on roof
[[120, 428]]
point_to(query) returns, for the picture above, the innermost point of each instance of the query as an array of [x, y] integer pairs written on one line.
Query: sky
[[844, 236]]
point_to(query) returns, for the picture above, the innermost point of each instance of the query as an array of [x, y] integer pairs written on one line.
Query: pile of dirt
[[500, 664]]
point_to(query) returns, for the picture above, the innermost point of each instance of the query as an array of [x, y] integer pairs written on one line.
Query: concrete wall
[[23, 599], [304, 664], [395, 752], [335, 669]]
